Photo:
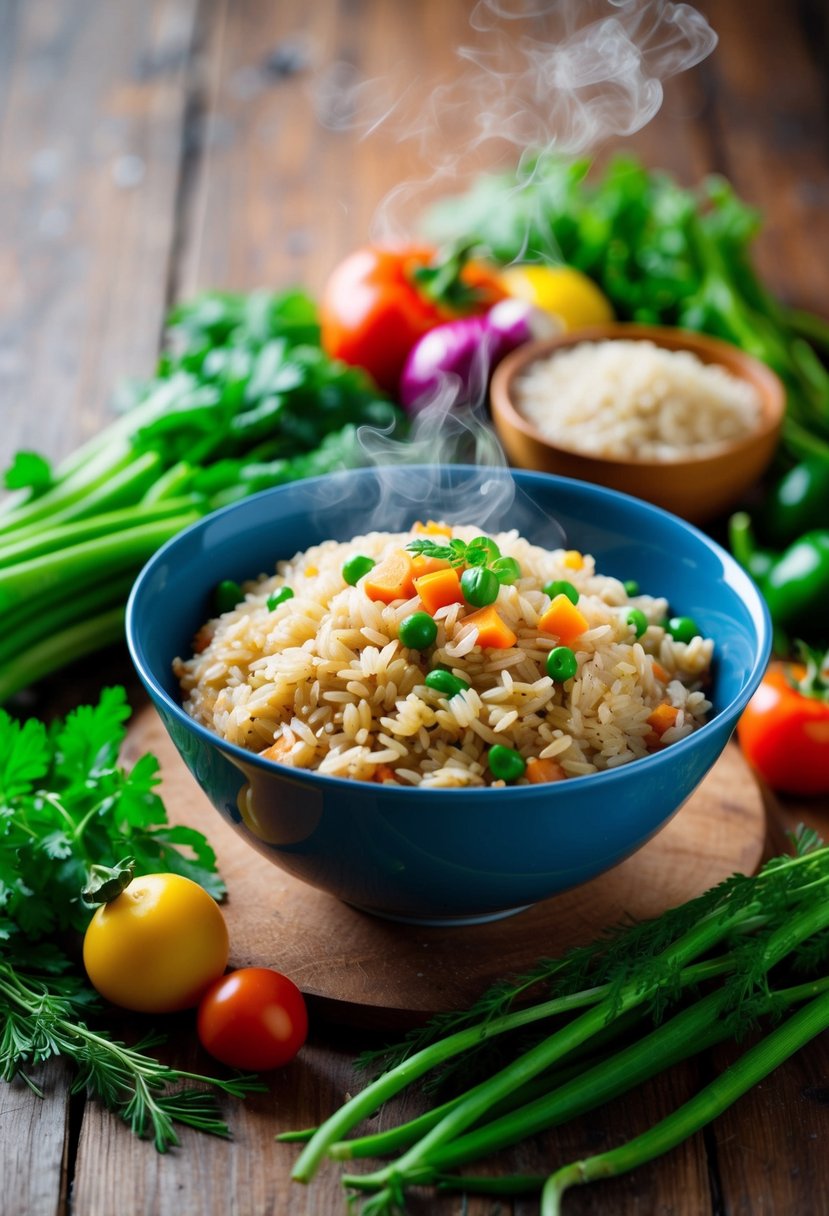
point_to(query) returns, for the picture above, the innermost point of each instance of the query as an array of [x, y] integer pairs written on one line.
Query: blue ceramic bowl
[[431, 855]]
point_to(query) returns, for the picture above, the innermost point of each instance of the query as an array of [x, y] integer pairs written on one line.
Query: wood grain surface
[[365, 971], [150, 149]]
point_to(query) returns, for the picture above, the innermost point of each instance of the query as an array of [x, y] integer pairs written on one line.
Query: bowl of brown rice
[[443, 694], [680, 419]]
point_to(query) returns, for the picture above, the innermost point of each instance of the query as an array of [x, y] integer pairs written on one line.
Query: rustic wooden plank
[[33, 1135], [770, 1146], [278, 198], [90, 146], [767, 90]]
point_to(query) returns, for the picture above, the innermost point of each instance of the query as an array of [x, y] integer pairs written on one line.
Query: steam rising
[[535, 76], [561, 75]]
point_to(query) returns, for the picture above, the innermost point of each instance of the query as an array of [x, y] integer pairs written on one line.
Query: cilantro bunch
[[243, 398], [66, 806]]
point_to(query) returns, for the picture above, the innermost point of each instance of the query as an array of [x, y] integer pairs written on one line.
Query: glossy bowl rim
[[241, 757], [772, 388]]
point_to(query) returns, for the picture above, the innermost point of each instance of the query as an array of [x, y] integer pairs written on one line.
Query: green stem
[[703, 936], [56, 651], [801, 442], [414, 1165], [123, 488], [64, 571], [64, 494], [751, 1068], [391, 1082], [381, 1144], [557, 1046], [690, 1032], [169, 484], [60, 536], [51, 614]]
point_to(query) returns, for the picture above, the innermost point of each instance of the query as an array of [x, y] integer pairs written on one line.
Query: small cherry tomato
[[784, 730], [157, 945], [253, 1018]]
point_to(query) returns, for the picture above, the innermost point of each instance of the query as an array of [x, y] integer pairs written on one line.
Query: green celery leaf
[[28, 471]]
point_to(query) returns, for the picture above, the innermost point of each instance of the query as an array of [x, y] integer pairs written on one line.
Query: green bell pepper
[[798, 502], [794, 583]]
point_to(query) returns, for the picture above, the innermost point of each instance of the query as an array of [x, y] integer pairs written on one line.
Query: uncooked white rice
[[630, 398], [326, 673]]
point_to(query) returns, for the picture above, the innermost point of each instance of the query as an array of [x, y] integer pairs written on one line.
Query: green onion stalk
[[665, 990]]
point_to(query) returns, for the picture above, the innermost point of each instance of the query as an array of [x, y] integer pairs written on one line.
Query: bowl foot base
[[441, 922]]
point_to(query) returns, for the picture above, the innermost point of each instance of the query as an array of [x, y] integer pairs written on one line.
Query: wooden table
[[150, 150]]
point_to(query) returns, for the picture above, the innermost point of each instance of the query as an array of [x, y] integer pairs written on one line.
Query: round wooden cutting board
[[358, 969]]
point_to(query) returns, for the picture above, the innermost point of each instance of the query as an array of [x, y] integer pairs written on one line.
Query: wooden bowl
[[697, 488]]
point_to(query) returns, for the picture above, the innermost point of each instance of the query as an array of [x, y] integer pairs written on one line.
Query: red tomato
[[373, 311], [784, 734], [253, 1018]]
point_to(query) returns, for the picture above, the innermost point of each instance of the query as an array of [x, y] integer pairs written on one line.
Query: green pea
[[279, 597], [356, 567], [227, 595], [631, 587], [418, 631], [506, 763], [562, 664], [560, 586], [637, 621], [479, 586], [445, 682], [682, 628], [506, 570]]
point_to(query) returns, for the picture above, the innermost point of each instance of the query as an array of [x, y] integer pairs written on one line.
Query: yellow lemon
[[568, 294]]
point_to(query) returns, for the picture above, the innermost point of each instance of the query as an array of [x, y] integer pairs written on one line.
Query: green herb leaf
[[28, 471]]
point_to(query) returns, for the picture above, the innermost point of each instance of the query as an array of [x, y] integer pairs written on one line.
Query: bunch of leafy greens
[[662, 254], [749, 955], [243, 398], [67, 805]]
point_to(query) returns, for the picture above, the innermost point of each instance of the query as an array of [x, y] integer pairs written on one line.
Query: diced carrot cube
[[384, 772], [390, 579], [563, 619], [539, 770], [203, 638], [439, 588], [428, 565], [663, 718], [280, 747], [432, 528], [493, 632], [660, 673]]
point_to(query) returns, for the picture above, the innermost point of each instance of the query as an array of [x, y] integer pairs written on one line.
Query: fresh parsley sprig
[[481, 552]]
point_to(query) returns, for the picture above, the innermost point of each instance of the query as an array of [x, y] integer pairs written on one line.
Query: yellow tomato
[[157, 946], [568, 294]]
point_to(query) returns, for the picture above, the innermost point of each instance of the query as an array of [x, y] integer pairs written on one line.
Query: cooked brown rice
[[328, 666], [631, 398]]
